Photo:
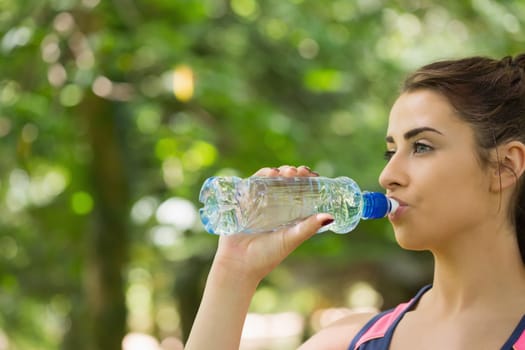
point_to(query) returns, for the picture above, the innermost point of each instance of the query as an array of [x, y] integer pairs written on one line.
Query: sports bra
[[377, 333]]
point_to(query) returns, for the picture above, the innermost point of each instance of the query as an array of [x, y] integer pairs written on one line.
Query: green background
[[99, 140]]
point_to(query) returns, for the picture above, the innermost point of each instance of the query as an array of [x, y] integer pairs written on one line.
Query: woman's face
[[434, 172]]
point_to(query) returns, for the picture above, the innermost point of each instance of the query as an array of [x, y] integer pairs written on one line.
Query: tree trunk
[[108, 237]]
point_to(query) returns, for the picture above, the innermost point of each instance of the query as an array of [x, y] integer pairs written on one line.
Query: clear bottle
[[265, 204]]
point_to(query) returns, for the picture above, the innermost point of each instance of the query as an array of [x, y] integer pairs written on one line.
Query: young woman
[[456, 157]]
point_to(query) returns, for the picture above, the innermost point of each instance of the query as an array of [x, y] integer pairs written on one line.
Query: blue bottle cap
[[375, 205]]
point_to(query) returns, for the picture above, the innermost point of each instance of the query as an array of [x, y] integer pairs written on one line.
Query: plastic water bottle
[[265, 204]]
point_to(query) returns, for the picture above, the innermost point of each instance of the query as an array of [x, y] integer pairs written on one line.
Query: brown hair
[[488, 94]]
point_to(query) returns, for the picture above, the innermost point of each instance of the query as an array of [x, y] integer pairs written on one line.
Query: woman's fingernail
[[276, 169], [327, 222]]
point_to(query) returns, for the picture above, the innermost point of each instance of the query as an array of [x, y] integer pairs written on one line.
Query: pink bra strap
[[520, 344], [380, 327]]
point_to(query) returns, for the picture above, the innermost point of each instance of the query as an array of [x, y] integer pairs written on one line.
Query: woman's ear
[[511, 165]]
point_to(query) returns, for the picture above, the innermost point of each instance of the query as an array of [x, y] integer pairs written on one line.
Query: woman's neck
[[483, 271]]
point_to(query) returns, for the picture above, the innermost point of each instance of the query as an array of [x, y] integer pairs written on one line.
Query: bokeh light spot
[[64, 22], [245, 8], [148, 119], [308, 48], [144, 209], [183, 83], [324, 80], [56, 75], [173, 172], [9, 92], [81, 203], [71, 95], [201, 154], [49, 48], [17, 36], [139, 341], [29, 133], [363, 295], [166, 148], [102, 86], [5, 126], [178, 212]]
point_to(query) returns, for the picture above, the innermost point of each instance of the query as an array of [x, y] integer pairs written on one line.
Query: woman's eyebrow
[[414, 132]]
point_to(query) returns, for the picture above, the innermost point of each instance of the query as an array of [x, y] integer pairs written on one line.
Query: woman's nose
[[393, 174]]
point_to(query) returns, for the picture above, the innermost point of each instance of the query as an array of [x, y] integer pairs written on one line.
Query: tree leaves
[[88, 86]]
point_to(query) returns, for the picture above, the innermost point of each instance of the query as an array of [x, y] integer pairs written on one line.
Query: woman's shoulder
[[338, 335]]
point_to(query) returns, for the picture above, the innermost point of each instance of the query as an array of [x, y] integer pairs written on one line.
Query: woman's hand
[[241, 262], [253, 256]]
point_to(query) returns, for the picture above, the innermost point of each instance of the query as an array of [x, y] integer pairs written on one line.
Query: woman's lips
[[399, 211]]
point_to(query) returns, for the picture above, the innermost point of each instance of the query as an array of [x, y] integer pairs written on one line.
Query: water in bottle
[[265, 204]]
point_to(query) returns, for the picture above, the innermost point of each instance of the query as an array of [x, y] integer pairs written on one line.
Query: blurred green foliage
[[113, 112]]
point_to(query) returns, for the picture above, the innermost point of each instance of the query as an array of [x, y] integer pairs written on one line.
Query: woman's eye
[[422, 148], [389, 154], [417, 148]]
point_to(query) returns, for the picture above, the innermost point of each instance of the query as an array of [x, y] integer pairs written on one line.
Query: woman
[[456, 156]]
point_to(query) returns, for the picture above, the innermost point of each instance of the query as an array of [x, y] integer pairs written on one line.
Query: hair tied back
[[519, 61], [515, 68]]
